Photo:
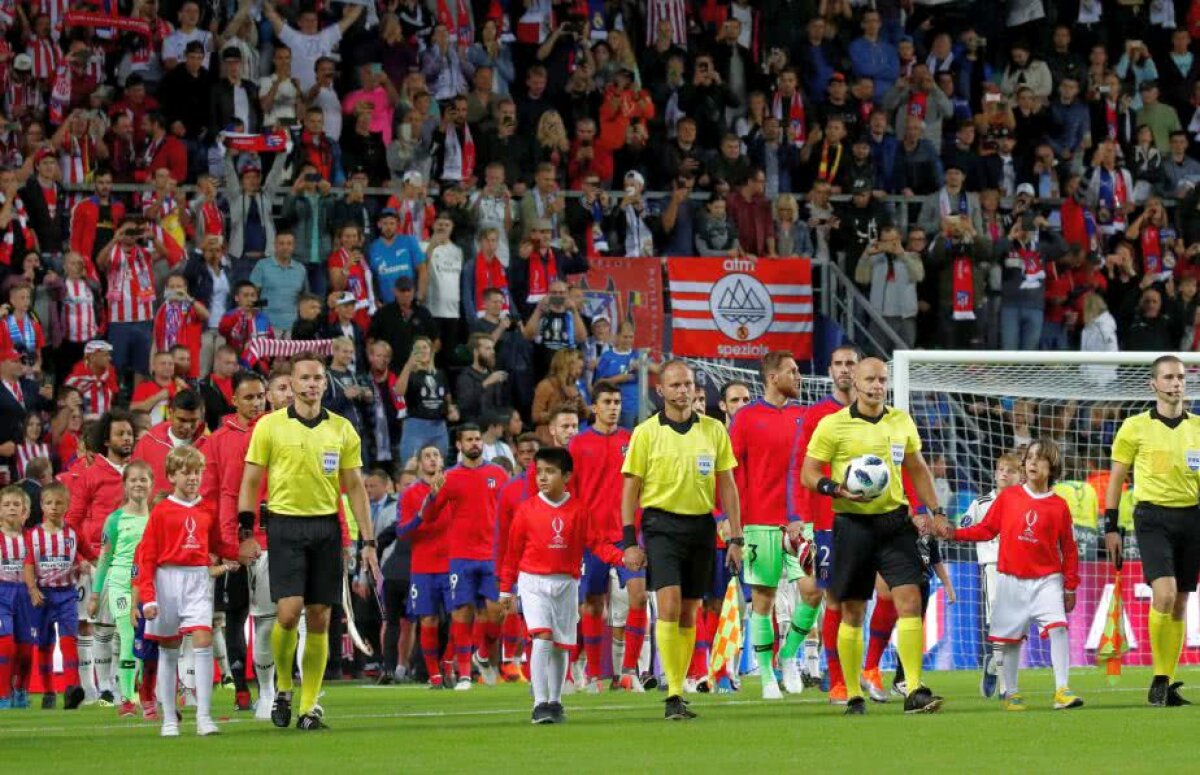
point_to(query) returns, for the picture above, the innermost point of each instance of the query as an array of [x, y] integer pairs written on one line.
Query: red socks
[[593, 643], [706, 622], [70, 659], [429, 649], [510, 637], [149, 681], [479, 638], [8, 654], [829, 636], [22, 666], [635, 636], [460, 634], [883, 621]]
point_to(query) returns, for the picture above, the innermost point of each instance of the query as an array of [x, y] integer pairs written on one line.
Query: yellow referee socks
[[1166, 641], [669, 650], [687, 643], [283, 648], [312, 662], [850, 654], [910, 646]]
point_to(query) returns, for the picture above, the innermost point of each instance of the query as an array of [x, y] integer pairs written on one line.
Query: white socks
[[1060, 656], [203, 659], [102, 655], [187, 664], [559, 660], [218, 647], [539, 669], [1010, 654], [87, 676], [264, 658], [168, 664]]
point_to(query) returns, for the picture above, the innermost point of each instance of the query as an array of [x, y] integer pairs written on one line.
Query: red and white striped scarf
[[24, 95], [60, 95], [45, 55], [57, 11], [797, 129]]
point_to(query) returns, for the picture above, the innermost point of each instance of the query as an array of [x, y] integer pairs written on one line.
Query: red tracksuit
[[762, 437], [468, 502], [177, 534], [597, 479], [153, 449], [96, 493], [225, 454], [428, 539]]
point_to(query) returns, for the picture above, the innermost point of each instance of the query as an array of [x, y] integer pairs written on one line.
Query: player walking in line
[[175, 584], [51, 562], [225, 455], [876, 536], [598, 454], [515, 492], [310, 455], [466, 497], [429, 591], [96, 493], [1038, 570], [762, 434], [113, 583], [1162, 447], [818, 512], [677, 462], [544, 558], [987, 553], [18, 625]]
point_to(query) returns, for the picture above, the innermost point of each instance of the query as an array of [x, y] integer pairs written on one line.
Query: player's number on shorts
[[453, 582], [824, 558], [412, 591], [753, 552]]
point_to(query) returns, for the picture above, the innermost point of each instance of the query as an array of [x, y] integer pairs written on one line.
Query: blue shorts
[[823, 562], [144, 648], [60, 608], [429, 594], [18, 619], [721, 577], [472, 582], [593, 579]]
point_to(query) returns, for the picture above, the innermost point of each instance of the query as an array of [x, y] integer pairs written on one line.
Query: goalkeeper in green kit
[[113, 580]]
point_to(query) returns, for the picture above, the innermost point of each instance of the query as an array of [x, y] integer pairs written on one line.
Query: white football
[[867, 475]]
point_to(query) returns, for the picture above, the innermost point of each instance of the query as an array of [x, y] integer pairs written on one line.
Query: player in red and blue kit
[[51, 567], [465, 496], [598, 454], [429, 590], [513, 633], [818, 511], [18, 623]]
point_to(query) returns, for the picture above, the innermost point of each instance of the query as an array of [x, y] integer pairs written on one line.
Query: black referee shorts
[[866, 544], [679, 551], [1169, 543], [306, 558]]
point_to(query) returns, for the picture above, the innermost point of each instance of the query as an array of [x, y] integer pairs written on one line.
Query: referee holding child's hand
[[676, 461]]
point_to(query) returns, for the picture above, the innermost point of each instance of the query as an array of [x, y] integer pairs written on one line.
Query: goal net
[[971, 407]]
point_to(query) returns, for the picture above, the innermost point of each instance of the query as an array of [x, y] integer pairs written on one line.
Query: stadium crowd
[[1018, 175]]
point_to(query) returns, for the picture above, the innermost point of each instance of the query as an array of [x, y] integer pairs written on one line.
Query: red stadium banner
[[741, 307], [627, 289]]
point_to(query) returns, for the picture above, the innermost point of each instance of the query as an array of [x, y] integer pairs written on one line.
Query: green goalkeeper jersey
[[119, 541]]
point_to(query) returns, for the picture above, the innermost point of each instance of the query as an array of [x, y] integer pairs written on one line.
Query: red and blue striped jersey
[[53, 555], [12, 559]]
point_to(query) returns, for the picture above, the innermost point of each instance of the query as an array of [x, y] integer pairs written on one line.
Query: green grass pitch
[[411, 729]]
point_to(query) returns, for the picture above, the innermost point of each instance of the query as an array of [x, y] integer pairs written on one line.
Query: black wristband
[[1112, 520], [628, 536], [246, 520], [827, 486]]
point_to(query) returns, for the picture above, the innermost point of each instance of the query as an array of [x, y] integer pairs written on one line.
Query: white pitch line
[[137, 727]]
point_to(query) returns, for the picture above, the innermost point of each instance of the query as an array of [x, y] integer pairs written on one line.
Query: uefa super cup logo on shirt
[[189, 540], [1031, 519], [557, 542]]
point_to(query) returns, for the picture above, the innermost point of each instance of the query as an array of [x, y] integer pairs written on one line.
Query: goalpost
[[972, 406]]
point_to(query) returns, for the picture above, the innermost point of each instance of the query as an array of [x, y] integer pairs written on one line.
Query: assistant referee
[[1162, 446], [876, 536], [310, 455], [676, 462]]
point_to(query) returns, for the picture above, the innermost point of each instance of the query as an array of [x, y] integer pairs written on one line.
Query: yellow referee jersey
[[846, 434], [303, 459], [1165, 456], [678, 462]]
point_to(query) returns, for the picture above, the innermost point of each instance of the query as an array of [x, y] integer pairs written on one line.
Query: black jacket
[[187, 99], [199, 279], [220, 109], [51, 230], [215, 405], [475, 401], [397, 329]]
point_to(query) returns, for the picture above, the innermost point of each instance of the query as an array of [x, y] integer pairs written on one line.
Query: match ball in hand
[[868, 476]]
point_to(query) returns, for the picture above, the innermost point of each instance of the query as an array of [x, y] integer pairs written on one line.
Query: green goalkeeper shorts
[[764, 555], [795, 571], [118, 593]]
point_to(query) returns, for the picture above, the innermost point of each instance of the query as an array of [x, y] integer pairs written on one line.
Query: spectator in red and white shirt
[[153, 395], [180, 321], [42, 49], [76, 297], [130, 270], [95, 378]]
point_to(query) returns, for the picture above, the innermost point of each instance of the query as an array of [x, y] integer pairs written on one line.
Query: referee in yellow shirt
[[877, 536], [1162, 446], [677, 461], [310, 456]]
